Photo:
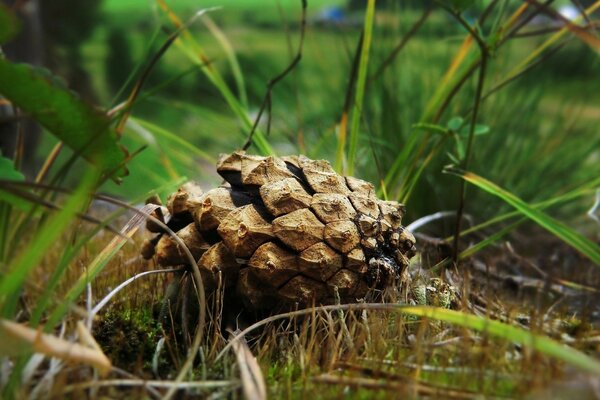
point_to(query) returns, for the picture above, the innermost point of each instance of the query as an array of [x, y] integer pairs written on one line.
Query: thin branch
[[483, 48], [148, 69], [405, 39], [267, 99]]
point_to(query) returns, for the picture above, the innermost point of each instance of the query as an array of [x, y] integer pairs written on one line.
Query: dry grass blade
[[17, 336], [267, 99], [103, 258], [570, 236], [253, 382], [585, 36], [151, 383], [542, 344], [398, 385]]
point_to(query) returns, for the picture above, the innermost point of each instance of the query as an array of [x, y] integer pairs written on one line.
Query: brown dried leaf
[[18, 337]]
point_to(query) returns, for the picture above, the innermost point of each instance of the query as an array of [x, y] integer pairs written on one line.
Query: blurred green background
[[542, 129]]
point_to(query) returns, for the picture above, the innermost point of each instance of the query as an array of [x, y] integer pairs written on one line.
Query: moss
[[129, 337]]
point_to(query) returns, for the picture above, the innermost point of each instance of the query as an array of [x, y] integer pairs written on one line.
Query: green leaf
[[460, 148], [570, 236], [84, 129], [8, 171], [453, 158], [433, 128], [455, 124], [480, 130], [9, 24], [361, 82]]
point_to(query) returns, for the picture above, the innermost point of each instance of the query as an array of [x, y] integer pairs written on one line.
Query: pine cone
[[286, 231]]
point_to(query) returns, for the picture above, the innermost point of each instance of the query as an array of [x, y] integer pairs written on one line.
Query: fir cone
[[286, 231]]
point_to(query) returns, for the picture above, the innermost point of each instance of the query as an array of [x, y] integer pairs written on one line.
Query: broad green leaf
[[570, 236], [86, 130], [9, 24], [8, 171]]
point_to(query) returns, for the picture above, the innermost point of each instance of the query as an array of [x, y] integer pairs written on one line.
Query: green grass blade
[[520, 336], [236, 70], [570, 236], [44, 239], [360, 86], [584, 189], [542, 344], [489, 240], [192, 50], [173, 138]]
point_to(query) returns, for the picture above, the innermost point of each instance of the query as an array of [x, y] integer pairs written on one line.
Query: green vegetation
[[486, 108]]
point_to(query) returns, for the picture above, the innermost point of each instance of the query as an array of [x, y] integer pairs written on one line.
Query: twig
[[267, 99], [405, 39], [477, 101], [146, 72]]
